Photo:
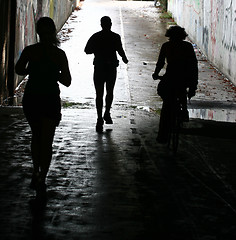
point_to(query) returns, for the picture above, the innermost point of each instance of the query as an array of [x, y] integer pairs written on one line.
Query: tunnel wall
[[29, 11], [211, 24], [17, 30], [5, 23]]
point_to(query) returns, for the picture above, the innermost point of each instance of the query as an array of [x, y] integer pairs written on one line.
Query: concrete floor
[[121, 184]]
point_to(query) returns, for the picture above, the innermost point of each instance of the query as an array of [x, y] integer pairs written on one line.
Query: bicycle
[[176, 123], [174, 116]]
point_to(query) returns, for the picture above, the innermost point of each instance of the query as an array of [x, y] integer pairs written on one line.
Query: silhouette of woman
[[46, 65], [181, 74]]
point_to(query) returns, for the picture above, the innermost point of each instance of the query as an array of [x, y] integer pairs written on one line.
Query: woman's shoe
[[161, 140], [37, 183], [34, 181], [41, 187], [99, 125]]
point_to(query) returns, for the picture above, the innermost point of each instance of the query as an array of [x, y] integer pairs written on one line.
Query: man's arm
[[121, 52], [89, 48]]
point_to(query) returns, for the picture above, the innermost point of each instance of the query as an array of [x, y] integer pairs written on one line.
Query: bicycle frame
[[175, 124]]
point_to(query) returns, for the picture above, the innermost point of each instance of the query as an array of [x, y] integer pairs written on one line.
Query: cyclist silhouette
[[181, 75], [104, 45], [46, 65]]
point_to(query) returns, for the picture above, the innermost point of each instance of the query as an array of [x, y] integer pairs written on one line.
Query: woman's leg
[[41, 148], [47, 135], [30, 105], [35, 146], [35, 152]]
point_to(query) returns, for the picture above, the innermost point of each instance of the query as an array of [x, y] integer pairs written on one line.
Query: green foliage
[[166, 15], [68, 104], [164, 4]]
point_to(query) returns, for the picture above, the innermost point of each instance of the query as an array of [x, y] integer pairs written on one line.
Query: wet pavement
[[121, 184]]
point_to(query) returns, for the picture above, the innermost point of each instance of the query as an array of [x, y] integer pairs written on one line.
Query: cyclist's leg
[[176, 124], [165, 121], [183, 102]]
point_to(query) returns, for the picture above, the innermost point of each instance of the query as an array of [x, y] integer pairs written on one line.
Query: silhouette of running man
[[46, 65], [104, 45]]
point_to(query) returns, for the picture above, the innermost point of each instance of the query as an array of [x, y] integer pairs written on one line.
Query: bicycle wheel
[[175, 135], [173, 141]]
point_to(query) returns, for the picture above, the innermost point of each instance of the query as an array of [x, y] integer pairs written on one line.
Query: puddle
[[213, 114], [221, 115]]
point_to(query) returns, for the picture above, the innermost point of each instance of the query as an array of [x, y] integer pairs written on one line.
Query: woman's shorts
[[37, 107]]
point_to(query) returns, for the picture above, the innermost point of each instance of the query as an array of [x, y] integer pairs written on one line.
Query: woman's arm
[[65, 76], [21, 67]]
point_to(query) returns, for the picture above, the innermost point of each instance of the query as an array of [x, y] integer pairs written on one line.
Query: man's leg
[[110, 84], [99, 88], [99, 99]]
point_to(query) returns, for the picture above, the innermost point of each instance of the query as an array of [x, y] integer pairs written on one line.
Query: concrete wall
[[29, 11], [5, 22], [211, 24]]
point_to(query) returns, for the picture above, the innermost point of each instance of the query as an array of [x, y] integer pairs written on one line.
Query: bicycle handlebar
[[157, 77]]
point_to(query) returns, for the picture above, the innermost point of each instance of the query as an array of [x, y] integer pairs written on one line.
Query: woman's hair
[[176, 33], [47, 32]]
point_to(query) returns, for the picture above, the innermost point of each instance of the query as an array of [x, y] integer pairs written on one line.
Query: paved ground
[[121, 184]]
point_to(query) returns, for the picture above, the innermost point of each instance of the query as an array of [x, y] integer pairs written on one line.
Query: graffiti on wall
[[229, 31], [212, 25], [195, 5], [51, 11], [25, 29], [214, 20], [39, 10], [205, 39]]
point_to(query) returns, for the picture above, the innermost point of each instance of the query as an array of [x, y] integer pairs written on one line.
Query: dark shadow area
[[37, 208], [209, 128]]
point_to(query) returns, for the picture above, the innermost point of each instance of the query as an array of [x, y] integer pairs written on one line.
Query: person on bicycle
[[181, 76]]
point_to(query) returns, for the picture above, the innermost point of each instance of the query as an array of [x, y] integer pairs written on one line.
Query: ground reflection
[[220, 115]]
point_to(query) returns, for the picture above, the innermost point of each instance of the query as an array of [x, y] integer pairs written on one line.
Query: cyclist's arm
[[160, 63]]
